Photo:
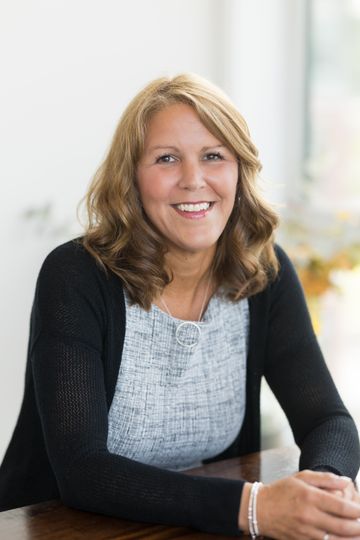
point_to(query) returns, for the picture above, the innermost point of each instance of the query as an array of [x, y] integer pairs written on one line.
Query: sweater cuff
[[220, 505]]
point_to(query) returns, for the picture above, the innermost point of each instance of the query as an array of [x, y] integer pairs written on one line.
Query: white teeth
[[193, 207]]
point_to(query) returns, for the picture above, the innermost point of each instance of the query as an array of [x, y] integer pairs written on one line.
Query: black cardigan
[[58, 448]]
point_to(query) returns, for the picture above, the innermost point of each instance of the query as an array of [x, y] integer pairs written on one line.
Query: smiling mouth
[[193, 207]]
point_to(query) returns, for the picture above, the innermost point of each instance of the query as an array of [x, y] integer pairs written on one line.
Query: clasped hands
[[308, 505]]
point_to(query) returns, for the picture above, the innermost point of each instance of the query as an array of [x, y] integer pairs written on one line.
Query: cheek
[[152, 187], [225, 186], [233, 184]]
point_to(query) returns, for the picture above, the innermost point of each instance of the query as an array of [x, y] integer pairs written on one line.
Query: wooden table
[[53, 521]]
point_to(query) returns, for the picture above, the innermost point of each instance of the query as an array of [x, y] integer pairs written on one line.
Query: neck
[[188, 270], [191, 288]]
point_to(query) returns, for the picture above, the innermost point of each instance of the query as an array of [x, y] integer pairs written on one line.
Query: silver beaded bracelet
[[253, 524]]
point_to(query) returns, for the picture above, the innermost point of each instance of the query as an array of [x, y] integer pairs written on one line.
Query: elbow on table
[[92, 482]]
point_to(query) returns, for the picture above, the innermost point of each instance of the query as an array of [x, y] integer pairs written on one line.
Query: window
[[332, 132]]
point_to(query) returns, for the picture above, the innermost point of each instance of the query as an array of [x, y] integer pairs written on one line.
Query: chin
[[193, 248]]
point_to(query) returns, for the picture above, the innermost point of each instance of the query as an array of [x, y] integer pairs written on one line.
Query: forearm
[[333, 445], [113, 485], [244, 506]]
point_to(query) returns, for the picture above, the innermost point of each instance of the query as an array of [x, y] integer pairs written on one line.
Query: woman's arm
[[310, 503], [300, 380], [70, 323]]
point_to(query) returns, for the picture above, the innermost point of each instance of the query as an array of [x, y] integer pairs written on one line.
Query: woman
[[150, 336]]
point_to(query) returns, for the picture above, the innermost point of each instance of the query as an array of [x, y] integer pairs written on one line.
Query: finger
[[351, 490], [331, 504], [335, 525], [324, 479], [348, 493], [339, 493], [334, 537]]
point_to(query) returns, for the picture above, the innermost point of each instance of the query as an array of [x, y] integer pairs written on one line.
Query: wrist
[[243, 521], [252, 511], [262, 510]]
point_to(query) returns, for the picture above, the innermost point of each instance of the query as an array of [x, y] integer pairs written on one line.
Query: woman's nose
[[192, 176]]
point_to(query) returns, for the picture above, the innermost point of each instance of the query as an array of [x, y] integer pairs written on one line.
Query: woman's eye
[[213, 156], [166, 158]]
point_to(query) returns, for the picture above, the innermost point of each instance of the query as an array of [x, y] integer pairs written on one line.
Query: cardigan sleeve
[[297, 373], [69, 317]]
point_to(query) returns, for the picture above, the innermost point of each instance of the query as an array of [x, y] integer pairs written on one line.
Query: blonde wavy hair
[[120, 236]]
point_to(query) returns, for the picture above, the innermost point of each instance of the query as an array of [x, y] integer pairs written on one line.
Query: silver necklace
[[187, 328]]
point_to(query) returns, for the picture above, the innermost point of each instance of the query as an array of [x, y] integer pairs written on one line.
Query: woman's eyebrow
[[163, 147], [170, 147], [204, 148]]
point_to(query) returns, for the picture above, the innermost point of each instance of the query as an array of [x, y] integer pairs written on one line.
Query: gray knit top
[[176, 405]]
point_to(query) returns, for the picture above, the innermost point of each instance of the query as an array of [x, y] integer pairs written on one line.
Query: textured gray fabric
[[175, 406]]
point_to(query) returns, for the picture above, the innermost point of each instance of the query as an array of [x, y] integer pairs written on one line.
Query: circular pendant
[[188, 334]]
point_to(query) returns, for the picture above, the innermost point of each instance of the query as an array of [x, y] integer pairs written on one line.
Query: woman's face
[[186, 179]]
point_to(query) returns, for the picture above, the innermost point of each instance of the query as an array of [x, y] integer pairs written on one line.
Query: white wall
[[68, 68], [264, 74]]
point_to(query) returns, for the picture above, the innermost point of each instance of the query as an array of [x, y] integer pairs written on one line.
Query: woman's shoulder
[[285, 277], [286, 266], [69, 255], [70, 263], [287, 284]]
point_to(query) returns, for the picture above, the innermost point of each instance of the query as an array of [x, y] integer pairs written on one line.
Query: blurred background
[[292, 68]]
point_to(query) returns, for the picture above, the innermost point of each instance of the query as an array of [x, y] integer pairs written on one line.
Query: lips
[[193, 207], [195, 210]]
